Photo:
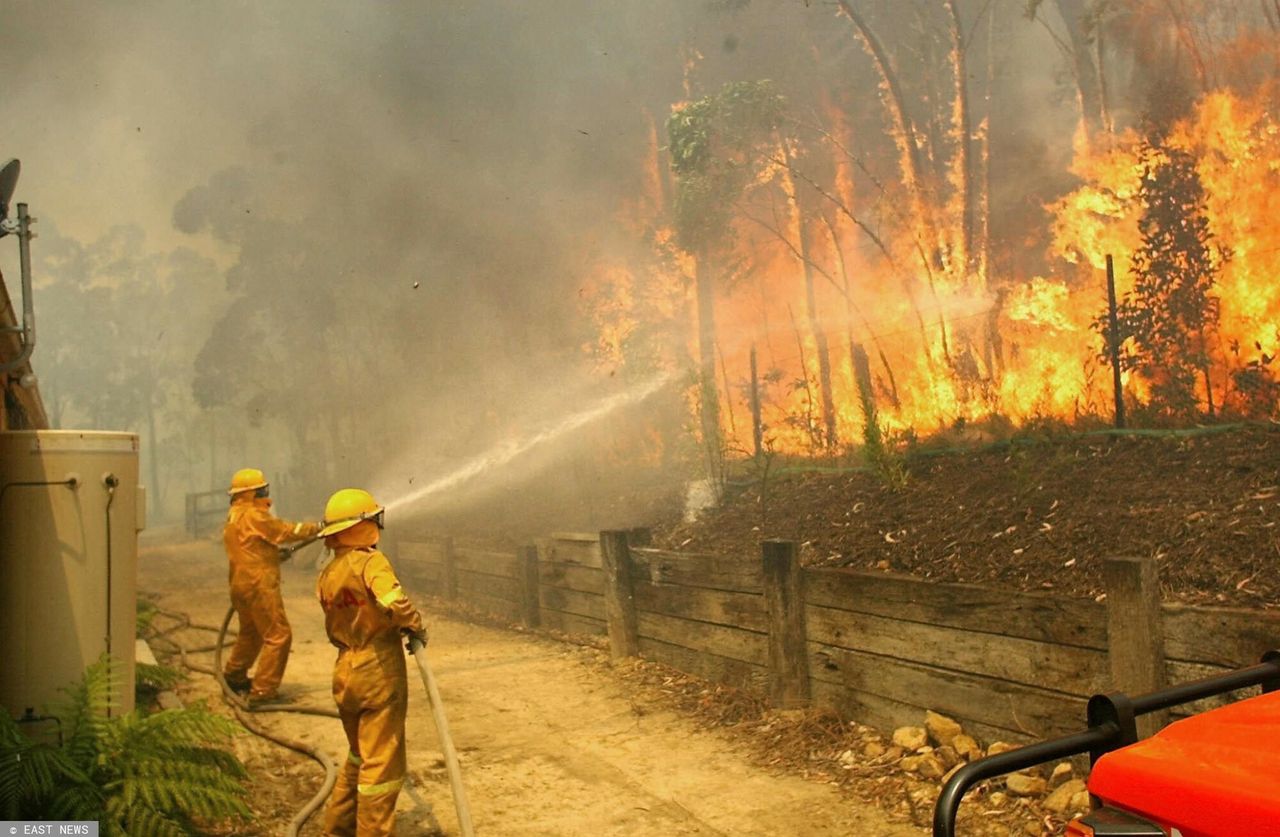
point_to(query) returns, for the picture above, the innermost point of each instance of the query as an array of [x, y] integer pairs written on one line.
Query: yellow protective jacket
[[365, 611], [364, 605], [253, 537]]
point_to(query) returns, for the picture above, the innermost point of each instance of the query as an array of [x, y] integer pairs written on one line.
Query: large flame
[[942, 348]]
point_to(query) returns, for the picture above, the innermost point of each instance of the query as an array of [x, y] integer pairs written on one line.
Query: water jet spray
[[502, 454]]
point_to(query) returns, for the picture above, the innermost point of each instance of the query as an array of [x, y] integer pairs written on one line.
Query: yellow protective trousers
[[264, 635], [370, 686], [252, 537]]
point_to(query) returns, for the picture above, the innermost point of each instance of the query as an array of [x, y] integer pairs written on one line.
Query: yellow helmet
[[247, 479], [348, 507]]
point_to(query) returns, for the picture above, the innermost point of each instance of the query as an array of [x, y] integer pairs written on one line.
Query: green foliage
[[156, 678], [136, 774], [718, 145], [144, 616], [1167, 322]]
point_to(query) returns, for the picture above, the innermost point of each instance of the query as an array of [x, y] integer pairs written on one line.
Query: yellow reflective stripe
[[297, 528], [370, 790], [392, 596], [353, 758]]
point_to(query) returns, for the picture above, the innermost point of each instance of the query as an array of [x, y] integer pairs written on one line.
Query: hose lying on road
[[417, 649], [242, 711]]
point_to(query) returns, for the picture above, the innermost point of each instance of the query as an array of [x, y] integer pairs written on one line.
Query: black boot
[[238, 683]]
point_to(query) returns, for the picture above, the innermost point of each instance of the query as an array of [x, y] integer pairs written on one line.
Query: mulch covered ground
[[1034, 515]]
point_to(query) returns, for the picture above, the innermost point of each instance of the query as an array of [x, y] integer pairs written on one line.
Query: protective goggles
[[376, 517]]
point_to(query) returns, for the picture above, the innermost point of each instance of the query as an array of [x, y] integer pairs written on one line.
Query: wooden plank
[[503, 609], [420, 573], [571, 577], [470, 584], [1228, 637], [619, 598], [784, 600], [1036, 616], [720, 640], [723, 607], [887, 715], [568, 548], [1181, 672], [711, 571], [1065, 668], [491, 563], [571, 623], [573, 601], [1135, 635], [736, 673], [422, 551], [962, 696], [575, 537], [528, 583]]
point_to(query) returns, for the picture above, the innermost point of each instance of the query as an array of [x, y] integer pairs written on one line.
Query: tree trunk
[[813, 316], [1088, 81], [904, 132], [709, 393], [963, 170]]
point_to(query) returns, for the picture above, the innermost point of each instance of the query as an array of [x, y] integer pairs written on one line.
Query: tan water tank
[[67, 590]]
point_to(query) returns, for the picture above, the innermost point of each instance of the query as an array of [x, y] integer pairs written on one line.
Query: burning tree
[[719, 145], [1169, 320], [917, 193]]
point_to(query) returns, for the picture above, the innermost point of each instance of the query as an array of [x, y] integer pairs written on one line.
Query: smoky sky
[[481, 149]]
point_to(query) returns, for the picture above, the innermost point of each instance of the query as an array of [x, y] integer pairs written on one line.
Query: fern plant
[[145, 775]]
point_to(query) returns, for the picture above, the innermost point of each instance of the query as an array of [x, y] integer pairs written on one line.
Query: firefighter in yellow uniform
[[365, 614], [253, 536]]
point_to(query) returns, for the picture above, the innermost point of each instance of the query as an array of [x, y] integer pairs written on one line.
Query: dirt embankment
[[1034, 515]]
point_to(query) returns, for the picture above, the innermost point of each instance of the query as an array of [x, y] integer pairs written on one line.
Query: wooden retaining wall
[[875, 647]]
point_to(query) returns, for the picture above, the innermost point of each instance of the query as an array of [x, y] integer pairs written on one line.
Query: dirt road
[[550, 743]]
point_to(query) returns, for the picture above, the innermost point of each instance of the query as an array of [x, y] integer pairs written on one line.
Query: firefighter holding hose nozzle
[[253, 536], [365, 614]]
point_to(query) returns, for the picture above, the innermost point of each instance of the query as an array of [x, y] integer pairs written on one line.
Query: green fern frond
[[146, 614], [32, 770], [138, 774], [156, 677]]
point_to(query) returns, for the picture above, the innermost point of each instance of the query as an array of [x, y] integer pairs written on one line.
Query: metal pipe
[[1111, 726], [948, 804], [109, 481], [28, 328], [1265, 674]]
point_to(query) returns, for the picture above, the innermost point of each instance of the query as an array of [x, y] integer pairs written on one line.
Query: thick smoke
[[367, 226]]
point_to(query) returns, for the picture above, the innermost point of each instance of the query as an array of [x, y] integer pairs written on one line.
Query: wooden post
[[619, 596], [788, 651], [1135, 633], [757, 425], [1113, 346], [449, 569], [527, 570]]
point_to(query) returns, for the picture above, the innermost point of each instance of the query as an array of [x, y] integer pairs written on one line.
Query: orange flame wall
[[941, 349]]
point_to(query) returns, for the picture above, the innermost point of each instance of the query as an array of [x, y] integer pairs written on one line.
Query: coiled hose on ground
[[242, 711]]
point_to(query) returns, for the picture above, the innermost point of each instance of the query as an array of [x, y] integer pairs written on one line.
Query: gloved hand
[[410, 637]]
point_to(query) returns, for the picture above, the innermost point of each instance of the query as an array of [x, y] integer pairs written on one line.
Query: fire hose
[[242, 713], [416, 648]]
